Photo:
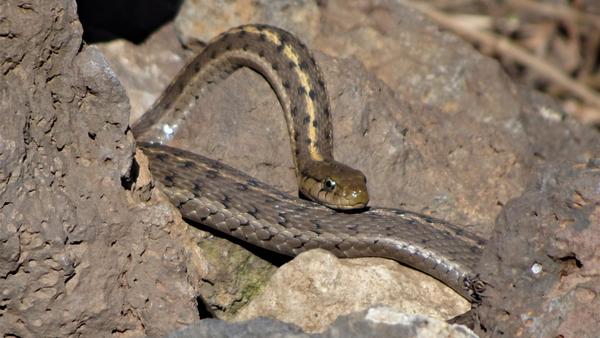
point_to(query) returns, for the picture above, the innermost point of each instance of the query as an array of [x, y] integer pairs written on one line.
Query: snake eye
[[329, 184]]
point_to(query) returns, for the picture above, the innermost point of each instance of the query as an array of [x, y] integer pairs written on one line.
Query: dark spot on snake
[[306, 120], [168, 181], [212, 54], [301, 90], [196, 67], [327, 112], [269, 200], [252, 211], [263, 37], [297, 151], [307, 141], [303, 65], [428, 219], [212, 173], [226, 201], [197, 192], [243, 32], [245, 47], [275, 66], [253, 182], [294, 110], [261, 53], [291, 64], [188, 164], [286, 85], [315, 124], [280, 47], [162, 157], [424, 241], [228, 46], [312, 94], [217, 165], [242, 187], [321, 83]]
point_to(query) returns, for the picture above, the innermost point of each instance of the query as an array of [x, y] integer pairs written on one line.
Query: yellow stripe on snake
[[223, 198]]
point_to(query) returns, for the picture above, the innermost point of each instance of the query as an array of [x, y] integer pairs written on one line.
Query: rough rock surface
[[150, 65], [80, 255], [544, 250], [374, 322], [233, 275], [301, 17], [313, 290]]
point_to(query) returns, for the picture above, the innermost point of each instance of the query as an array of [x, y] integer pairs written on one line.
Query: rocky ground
[[436, 127]]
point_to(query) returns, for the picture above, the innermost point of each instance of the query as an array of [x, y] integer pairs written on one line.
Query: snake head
[[334, 185]]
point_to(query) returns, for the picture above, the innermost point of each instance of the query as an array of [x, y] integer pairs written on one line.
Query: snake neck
[[282, 60]]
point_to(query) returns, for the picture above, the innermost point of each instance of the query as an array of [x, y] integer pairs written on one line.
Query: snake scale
[[223, 198]]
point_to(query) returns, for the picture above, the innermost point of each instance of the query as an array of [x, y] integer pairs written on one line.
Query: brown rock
[[201, 20], [315, 288], [80, 254], [543, 260], [379, 321], [232, 275], [145, 69]]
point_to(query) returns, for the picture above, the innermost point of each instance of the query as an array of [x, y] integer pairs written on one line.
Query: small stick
[[504, 46]]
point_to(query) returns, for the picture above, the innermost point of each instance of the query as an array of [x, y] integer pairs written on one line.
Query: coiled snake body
[[221, 197]]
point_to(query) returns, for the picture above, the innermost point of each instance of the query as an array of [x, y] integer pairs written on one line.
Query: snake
[[333, 215]]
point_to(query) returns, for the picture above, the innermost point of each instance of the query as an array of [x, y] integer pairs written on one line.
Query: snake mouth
[[350, 207], [358, 206]]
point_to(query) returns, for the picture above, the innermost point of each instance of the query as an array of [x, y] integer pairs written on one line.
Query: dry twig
[[503, 46]]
